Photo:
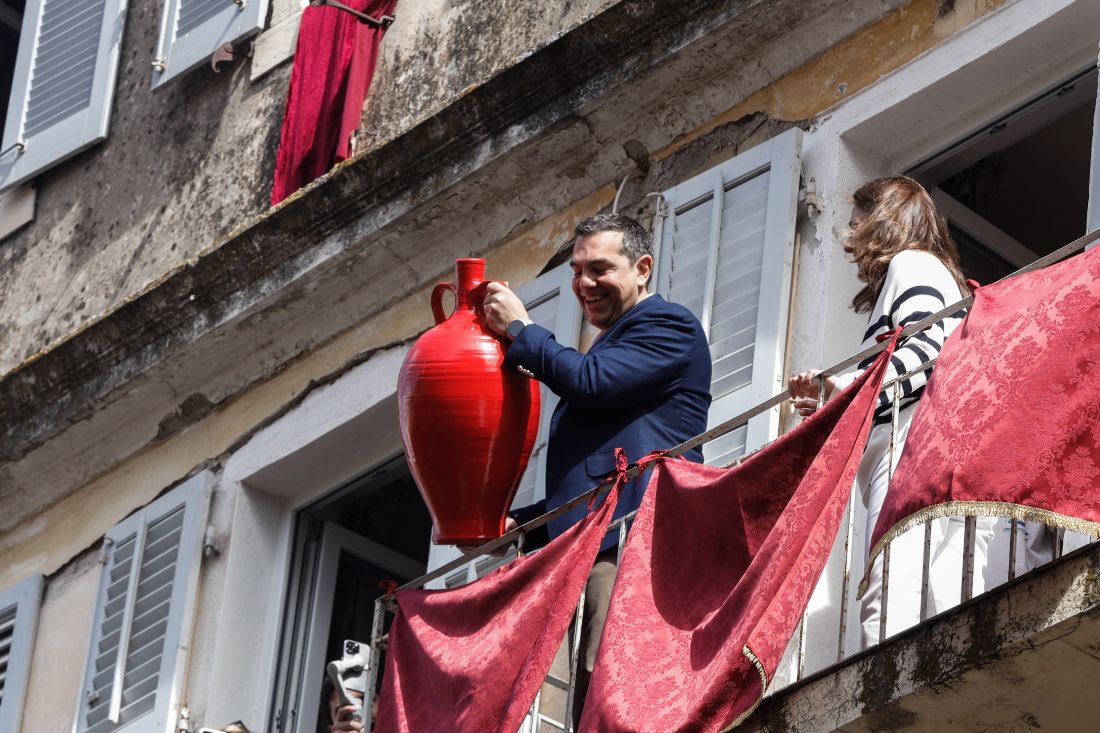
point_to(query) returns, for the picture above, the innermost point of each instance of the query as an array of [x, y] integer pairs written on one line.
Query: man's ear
[[644, 266]]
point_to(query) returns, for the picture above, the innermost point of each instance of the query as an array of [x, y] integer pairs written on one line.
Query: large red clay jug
[[468, 425]]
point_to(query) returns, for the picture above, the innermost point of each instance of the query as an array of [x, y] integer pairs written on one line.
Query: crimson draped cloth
[[717, 572], [472, 659], [1009, 424], [334, 63]]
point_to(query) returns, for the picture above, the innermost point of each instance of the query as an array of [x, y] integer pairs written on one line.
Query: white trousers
[[907, 551]]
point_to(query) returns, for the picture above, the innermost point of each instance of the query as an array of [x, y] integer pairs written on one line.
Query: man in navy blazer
[[643, 385]]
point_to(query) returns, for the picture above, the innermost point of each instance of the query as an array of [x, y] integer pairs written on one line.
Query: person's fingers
[[806, 406]]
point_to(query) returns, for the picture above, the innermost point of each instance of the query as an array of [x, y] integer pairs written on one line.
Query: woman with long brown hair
[[909, 268]]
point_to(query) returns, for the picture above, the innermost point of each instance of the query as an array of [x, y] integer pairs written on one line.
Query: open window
[[726, 251], [1018, 188], [374, 529]]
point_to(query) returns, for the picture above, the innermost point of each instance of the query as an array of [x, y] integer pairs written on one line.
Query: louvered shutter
[[191, 30], [18, 622], [137, 654], [725, 254], [63, 83], [550, 303]]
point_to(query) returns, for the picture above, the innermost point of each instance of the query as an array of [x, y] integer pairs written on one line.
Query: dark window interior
[[384, 507], [1026, 174]]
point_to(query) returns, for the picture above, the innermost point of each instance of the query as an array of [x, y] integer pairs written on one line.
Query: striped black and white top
[[917, 285]]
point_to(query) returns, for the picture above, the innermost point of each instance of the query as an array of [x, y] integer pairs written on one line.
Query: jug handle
[[437, 300], [477, 297]]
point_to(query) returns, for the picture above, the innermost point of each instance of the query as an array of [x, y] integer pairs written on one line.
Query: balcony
[[1021, 656]]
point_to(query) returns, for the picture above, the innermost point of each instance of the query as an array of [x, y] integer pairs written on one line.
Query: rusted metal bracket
[[226, 52], [384, 21]]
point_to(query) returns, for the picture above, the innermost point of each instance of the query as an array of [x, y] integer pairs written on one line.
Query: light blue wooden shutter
[[63, 84], [191, 30], [550, 303], [18, 622], [137, 654], [725, 254]]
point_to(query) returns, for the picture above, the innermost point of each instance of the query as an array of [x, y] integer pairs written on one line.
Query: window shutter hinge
[[105, 550], [159, 65], [211, 545], [18, 146], [183, 724]]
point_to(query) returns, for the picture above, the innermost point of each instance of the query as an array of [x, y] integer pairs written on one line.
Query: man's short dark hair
[[636, 240]]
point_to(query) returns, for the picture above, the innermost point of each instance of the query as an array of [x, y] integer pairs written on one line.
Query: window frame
[[20, 159], [176, 55], [193, 495], [25, 597], [781, 157]]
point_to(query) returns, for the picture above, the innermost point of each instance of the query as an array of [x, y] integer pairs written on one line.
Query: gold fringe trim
[[1001, 509], [763, 688]]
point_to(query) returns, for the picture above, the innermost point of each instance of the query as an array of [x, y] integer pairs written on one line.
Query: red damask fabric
[[717, 571], [334, 63], [1009, 424], [472, 659]]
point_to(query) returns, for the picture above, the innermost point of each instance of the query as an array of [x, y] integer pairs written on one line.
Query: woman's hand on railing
[[805, 388]]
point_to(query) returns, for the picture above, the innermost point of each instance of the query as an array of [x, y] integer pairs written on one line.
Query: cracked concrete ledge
[[968, 668], [65, 383]]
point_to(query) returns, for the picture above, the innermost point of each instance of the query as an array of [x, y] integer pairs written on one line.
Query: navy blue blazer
[[644, 385]]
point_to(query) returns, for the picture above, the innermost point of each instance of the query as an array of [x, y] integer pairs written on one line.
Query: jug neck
[[469, 273]]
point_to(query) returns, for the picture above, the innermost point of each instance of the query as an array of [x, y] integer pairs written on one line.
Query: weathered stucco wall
[[180, 168], [185, 166]]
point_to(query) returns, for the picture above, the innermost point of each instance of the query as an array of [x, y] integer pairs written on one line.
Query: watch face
[[514, 328]]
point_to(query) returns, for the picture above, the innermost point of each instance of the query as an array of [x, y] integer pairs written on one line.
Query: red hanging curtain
[[472, 659], [717, 572], [333, 66], [1009, 424]]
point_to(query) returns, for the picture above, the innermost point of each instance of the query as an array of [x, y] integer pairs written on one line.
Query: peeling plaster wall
[[185, 166], [439, 50]]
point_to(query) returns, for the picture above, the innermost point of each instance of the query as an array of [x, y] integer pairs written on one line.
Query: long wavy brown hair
[[899, 215]]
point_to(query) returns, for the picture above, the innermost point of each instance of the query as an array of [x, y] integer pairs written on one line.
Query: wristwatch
[[515, 327]]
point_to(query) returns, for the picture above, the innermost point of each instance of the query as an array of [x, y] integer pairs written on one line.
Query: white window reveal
[[191, 30], [138, 650], [18, 621], [63, 84], [550, 303], [338, 544], [726, 253]]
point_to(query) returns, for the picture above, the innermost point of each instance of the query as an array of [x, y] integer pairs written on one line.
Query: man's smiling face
[[606, 282]]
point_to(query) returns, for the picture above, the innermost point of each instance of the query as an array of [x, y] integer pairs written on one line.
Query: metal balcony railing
[[797, 651]]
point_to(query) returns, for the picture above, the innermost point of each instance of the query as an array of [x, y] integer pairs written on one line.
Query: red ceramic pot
[[468, 425]]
